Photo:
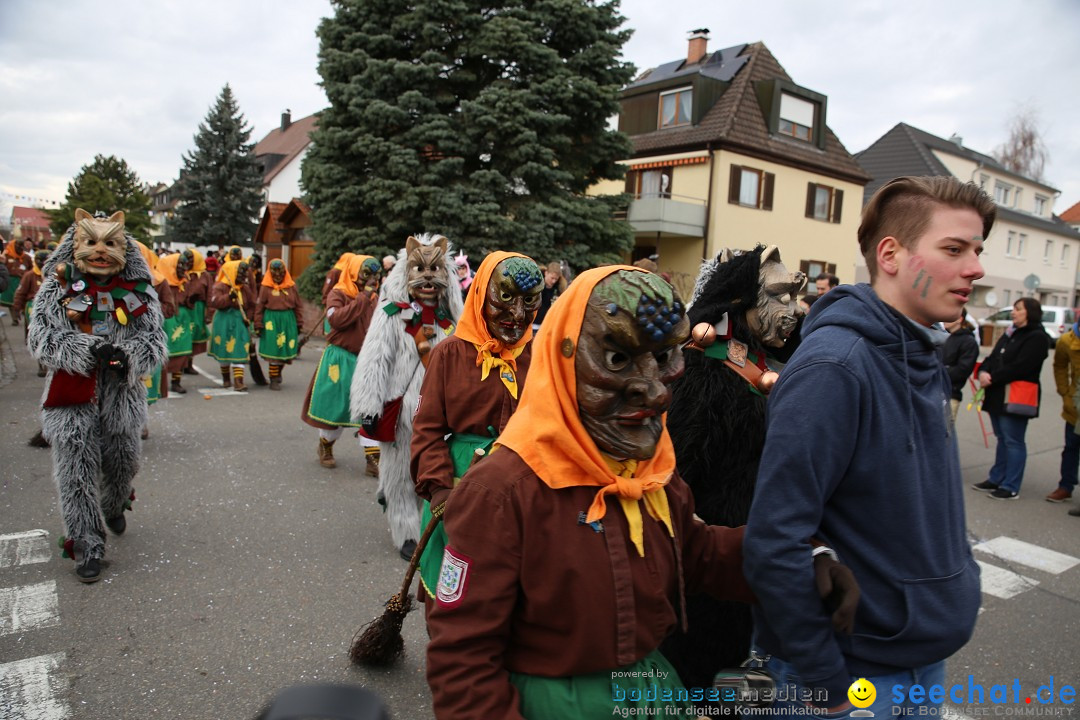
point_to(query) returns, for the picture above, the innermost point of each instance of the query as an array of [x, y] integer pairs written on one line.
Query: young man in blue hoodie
[[880, 482]]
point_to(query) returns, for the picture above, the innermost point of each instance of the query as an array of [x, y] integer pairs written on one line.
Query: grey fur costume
[[389, 367], [95, 446]]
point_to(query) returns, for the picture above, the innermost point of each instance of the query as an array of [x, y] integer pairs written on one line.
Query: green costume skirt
[[230, 338], [178, 332], [8, 296], [330, 389], [153, 385], [279, 335], [26, 312], [199, 333], [650, 686], [462, 448]]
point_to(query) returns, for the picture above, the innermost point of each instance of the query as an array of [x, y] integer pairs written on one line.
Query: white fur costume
[[96, 445], [389, 367]]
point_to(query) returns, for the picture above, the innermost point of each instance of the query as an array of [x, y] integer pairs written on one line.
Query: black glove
[[837, 586], [369, 423], [111, 358], [103, 353]]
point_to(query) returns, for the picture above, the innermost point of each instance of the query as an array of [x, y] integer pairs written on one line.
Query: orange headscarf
[[167, 267], [547, 433], [12, 249], [227, 274], [151, 259], [199, 265], [343, 261], [347, 282], [268, 281], [473, 327]]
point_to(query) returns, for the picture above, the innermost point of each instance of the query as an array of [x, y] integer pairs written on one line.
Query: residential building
[[729, 152], [32, 223], [1071, 217], [279, 155], [1030, 252], [163, 205]]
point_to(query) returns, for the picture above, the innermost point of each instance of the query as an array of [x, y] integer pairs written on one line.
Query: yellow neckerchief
[[506, 372], [37, 270], [655, 503]]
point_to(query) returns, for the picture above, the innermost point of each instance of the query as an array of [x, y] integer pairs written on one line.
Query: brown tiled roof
[[1072, 215], [736, 122], [292, 209], [29, 217], [270, 230], [285, 144]]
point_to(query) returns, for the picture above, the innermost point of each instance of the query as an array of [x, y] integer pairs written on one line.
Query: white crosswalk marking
[[25, 548], [1019, 552], [31, 689], [29, 607], [1002, 583]]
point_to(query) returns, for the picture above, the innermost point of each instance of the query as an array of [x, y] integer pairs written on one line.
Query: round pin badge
[[79, 285]]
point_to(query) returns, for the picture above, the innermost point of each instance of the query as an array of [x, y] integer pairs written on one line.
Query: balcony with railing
[[667, 214]]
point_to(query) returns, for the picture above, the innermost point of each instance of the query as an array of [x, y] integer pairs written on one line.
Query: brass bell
[[704, 334]]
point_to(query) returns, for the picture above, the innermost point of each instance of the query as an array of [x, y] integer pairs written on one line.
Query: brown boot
[[372, 466], [226, 378], [326, 453], [175, 387], [239, 386], [275, 383]]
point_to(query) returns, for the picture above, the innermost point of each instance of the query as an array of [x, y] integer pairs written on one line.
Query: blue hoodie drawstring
[[907, 380]]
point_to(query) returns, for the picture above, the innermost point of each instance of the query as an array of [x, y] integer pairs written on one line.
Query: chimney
[[956, 140], [699, 43], [286, 119]]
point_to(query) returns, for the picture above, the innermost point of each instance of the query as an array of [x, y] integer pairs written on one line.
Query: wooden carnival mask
[[777, 313], [512, 299], [629, 352], [427, 277], [277, 271], [369, 275], [100, 248]]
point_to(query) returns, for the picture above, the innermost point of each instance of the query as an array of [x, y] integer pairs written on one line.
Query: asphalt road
[[246, 567]]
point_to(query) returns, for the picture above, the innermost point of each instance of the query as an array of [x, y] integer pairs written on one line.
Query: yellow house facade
[[730, 153]]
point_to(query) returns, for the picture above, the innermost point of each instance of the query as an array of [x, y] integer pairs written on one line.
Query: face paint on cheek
[[926, 288], [918, 279]]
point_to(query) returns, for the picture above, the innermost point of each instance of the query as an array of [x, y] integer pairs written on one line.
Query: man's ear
[[888, 255]]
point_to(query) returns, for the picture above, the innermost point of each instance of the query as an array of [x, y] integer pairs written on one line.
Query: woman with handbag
[[1010, 377]]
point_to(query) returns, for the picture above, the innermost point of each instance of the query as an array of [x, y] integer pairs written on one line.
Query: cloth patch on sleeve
[[453, 578]]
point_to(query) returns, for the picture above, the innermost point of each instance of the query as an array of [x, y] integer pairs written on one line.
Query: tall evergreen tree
[[220, 186], [108, 184], [485, 121]]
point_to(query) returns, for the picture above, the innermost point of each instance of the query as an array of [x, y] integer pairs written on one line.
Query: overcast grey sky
[[134, 79]]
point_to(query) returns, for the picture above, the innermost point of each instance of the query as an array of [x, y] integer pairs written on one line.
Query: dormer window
[[796, 117], [675, 108]]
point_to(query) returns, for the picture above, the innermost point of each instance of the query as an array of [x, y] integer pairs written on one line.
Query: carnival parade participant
[[200, 280], [97, 326], [232, 299], [17, 263], [472, 385], [349, 310], [156, 384], [277, 320], [571, 547], [419, 304], [23, 301], [178, 328], [332, 277]]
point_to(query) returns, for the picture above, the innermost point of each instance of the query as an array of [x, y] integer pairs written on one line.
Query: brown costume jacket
[[546, 595], [26, 291], [453, 399], [349, 319], [220, 299]]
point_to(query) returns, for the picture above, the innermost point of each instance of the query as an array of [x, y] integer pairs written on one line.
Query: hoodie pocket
[[938, 619]]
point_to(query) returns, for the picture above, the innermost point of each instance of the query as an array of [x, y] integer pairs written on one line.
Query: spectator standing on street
[[1013, 366], [825, 282], [1066, 374], [869, 353], [959, 354], [554, 285]]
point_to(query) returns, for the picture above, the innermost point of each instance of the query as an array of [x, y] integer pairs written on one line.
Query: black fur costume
[[718, 428]]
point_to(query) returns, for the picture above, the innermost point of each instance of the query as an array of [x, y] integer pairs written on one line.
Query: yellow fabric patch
[[230, 345], [334, 373], [217, 339], [292, 344], [281, 340], [269, 324], [178, 332]]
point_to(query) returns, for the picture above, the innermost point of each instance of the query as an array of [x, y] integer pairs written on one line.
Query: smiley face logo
[[862, 693]]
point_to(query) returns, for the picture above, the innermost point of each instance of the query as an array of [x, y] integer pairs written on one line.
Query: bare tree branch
[[1024, 152]]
